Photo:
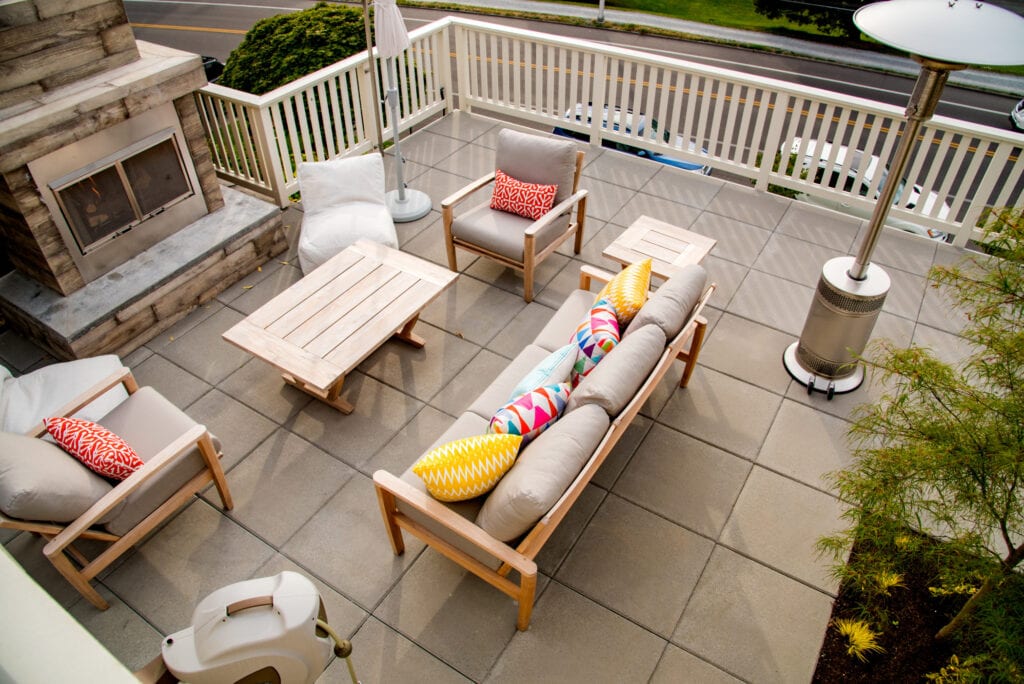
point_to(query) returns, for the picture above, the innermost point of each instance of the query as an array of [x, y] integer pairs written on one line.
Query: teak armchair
[[180, 456], [512, 240]]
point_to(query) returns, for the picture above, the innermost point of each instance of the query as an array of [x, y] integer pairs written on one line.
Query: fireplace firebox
[[123, 200]]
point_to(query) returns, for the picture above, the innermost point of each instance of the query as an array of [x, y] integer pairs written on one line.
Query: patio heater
[[392, 39], [942, 36]]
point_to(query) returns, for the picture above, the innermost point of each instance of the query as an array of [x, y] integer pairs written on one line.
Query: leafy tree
[[282, 48], [834, 17], [943, 451]]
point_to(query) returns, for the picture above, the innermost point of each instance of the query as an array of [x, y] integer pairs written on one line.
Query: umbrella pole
[[373, 75], [393, 106], [404, 205]]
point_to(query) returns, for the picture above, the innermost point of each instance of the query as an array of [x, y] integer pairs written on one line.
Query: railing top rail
[[289, 89]]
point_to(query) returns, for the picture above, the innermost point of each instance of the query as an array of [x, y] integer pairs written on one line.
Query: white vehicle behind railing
[[724, 119]]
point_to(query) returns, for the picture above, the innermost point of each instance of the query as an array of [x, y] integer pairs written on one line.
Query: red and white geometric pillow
[[94, 445], [529, 200]]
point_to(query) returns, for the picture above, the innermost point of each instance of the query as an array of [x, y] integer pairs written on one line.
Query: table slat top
[[323, 326]]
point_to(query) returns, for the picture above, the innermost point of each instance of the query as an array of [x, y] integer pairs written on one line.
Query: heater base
[[415, 206], [818, 383]]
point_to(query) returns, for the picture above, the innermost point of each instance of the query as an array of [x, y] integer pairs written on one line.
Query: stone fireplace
[[104, 170]]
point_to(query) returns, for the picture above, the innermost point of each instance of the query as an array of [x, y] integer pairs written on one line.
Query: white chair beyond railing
[[755, 127]]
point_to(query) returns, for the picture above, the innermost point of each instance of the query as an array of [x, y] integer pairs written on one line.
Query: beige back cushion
[[41, 482], [537, 159], [618, 376], [542, 473], [670, 306]]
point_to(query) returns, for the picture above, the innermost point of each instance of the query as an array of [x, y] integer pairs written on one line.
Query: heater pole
[[920, 108]]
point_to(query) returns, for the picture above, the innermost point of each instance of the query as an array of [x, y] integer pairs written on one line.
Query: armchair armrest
[[121, 377], [461, 194], [458, 525], [589, 273], [109, 500], [555, 211]]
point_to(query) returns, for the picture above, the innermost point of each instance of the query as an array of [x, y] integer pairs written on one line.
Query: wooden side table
[[669, 247]]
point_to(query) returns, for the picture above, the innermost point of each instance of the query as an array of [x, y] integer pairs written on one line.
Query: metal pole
[[920, 108], [600, 11], [393, 106], [373, 76]]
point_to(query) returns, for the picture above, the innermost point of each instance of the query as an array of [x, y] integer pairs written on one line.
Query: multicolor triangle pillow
[[595, 336], [532, 412], [627, 291], [467, 467], [529, 200], [95, 446]]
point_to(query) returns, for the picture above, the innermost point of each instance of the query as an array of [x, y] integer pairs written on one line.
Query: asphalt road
[[216, 27]]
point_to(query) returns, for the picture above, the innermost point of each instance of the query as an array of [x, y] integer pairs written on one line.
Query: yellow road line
[[202, 29]]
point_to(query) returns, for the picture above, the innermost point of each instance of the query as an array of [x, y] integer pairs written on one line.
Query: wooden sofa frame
[[60, 549], [390, 488]]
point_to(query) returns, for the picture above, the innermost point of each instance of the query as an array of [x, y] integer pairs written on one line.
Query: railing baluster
[[258, 140]]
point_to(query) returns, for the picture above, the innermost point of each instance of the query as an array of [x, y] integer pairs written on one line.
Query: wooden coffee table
[[669, 247], [319, 329]]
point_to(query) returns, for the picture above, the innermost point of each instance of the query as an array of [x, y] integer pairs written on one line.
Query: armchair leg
[[212, 460], [527, 590], [449, 244], [64, 567]]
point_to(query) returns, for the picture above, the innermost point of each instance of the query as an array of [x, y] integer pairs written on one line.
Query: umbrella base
[[415, 206]]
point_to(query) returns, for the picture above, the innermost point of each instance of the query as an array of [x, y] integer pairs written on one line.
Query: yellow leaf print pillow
[[467, 467], [627, 291]]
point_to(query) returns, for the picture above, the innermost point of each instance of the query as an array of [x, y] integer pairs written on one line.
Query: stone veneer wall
[[45, 44], [25, 221], [219, 249]]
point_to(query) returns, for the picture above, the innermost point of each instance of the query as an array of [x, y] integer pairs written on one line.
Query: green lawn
[[729, 13]]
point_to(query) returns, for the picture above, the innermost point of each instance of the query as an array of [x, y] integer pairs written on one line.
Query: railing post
[[369, 107], [772, 143], [268, 156], [601, 75], [462, 58], [444, 62]]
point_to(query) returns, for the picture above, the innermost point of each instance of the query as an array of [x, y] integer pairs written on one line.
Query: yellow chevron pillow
[[627, 291], [467, 467]]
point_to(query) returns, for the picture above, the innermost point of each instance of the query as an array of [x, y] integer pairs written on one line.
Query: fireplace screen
[[112, 200]]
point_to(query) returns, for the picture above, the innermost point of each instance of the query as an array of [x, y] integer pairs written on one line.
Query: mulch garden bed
[[911, 650]]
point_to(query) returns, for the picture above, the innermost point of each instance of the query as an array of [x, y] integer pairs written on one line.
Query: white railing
[[258, 141], [728, 120]]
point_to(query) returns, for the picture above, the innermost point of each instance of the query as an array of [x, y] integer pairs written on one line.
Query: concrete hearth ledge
[[69, 318]]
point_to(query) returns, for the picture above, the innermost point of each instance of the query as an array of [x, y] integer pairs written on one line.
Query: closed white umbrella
[[392, 40]]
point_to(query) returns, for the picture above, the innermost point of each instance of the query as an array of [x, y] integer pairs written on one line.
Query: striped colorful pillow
[[95, 446], [532, 412], [529, 200]]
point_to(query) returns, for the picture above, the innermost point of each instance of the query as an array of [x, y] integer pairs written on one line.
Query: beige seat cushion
[[618, 376], [542, 473], [148, 422], [41, 482], [497, 393], [671, 304], [503, 233], [560, 328]]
